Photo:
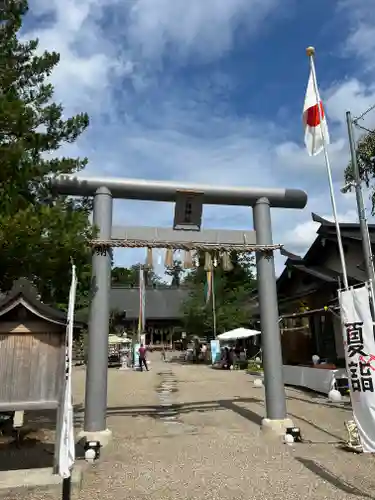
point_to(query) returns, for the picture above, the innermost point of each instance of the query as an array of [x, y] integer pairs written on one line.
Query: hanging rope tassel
[[149, 259], [196, 259], [168, 258], [207, 262], [188, 260], [159, 257], [227, 263]]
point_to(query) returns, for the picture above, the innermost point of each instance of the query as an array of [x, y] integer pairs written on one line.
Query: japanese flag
[[315, 124]]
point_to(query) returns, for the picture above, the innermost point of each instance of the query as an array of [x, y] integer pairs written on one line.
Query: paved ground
[[210, 446]]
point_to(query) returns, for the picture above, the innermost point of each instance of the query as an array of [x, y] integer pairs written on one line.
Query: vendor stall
[[234, 348], [320, 378], [237, 334], [116, 348]]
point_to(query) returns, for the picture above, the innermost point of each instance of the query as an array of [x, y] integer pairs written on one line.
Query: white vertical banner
[[66, 454], [359, 347]]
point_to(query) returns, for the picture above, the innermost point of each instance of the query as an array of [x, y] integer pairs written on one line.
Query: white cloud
[[204, 28], [303, 234], [137, 132], [354, 96], [145, 29], [361, 38], [82, 79]]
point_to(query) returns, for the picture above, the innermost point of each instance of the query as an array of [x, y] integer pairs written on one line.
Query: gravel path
[[190, 432]]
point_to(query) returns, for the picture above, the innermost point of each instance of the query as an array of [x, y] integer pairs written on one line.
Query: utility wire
[[364, 128], [364, 114], [356, 120]]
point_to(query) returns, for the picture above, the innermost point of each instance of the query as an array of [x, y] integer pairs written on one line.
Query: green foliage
[[80, 345], [114, 318], [129, 276], [253, 366], [39, 231], [176, 272], [232, 291], [366, 163]]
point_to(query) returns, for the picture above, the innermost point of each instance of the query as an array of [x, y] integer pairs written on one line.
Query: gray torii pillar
[[95, 427], [276, 413]]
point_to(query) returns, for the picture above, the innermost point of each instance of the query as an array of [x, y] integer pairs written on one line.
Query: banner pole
[[213, 301]]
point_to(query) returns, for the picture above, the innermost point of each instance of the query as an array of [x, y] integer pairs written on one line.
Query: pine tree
[[39, 231]]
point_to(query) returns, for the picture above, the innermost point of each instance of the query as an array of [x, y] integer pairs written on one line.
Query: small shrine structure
[[32, 350]]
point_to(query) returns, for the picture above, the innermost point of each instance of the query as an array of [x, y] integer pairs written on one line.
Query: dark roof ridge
[[24, 292], [345, 225], [290, 255]]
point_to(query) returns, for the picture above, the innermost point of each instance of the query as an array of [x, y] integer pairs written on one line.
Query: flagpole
[[140, 313], [310, 51], [66, 453], [213, 301]]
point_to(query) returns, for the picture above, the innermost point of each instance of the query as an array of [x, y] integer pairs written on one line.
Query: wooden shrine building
[[308, 293], [163, 311]]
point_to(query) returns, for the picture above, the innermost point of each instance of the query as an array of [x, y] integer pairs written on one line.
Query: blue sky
[[210, 91]]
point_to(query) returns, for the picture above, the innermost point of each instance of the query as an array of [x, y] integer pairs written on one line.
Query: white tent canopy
[[115, 339], [238, 333]]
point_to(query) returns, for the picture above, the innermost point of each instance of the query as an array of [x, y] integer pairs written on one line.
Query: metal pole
[[213, 300], [66, 488], [366, 242], [142, 304], [140, 313], [97, 365], [269, 315]]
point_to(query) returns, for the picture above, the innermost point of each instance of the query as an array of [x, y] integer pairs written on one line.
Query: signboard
[[359, 348], [188, 211], [215, 351], [136, 355]]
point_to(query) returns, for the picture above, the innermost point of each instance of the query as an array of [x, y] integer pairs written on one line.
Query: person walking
[[204, 352], [163, 356], [142, 357]]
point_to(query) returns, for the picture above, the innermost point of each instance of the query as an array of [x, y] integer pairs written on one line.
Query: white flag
[[360, 360], [67, 441], [315, 123]]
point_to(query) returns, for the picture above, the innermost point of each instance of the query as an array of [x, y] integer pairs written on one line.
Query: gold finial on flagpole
[[310, 51]]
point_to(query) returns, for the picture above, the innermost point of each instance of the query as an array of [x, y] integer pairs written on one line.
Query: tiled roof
[[164, 303], [23, 293]]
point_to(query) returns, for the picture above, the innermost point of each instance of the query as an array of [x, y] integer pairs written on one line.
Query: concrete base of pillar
[[104, 437], [276, 427]]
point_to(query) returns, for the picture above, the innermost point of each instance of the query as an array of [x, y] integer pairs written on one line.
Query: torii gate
[[260, 199]]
